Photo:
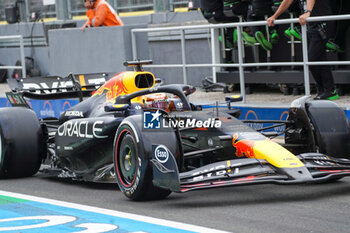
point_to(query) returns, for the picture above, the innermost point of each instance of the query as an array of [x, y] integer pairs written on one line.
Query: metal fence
[[21, 46], [215, 48]]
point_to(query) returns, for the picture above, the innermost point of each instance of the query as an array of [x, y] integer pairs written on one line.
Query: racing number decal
[[54, 220]]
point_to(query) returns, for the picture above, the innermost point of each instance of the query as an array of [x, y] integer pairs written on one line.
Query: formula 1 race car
[[152, 141]]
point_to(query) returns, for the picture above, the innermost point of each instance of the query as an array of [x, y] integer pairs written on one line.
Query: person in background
[[318, 36], [100, 13]]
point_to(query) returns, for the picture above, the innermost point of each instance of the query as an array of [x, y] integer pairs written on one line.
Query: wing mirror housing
[[231, 99], [116, 107]]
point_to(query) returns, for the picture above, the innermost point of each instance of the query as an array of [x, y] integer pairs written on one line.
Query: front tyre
[[133, 170]]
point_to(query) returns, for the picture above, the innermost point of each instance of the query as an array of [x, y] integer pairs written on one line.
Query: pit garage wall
[[101, 49], [104, 49]]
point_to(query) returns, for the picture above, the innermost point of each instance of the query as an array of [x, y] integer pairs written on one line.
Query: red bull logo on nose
[[244, 147]]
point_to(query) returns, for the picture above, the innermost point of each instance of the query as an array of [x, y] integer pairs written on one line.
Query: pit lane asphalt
[[259, 208]]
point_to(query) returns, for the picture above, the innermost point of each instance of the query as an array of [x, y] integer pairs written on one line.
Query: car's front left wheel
[[132, 166]]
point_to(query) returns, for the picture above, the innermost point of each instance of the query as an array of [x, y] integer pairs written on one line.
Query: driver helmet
[[157, 100]]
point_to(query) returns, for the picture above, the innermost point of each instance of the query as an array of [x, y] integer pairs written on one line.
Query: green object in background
[[248, 39], [334, 96], [296, 33], [228, 43], [287, 33], [274, 36], [235, 36], [262, 40], [331, 45]]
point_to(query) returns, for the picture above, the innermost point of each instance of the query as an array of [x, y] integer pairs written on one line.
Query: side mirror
[[233, 98], [188, 90], [158, 81], [116, 107]]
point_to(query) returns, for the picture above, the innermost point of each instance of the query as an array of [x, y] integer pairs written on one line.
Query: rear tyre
[[22, 144], [132, 166]]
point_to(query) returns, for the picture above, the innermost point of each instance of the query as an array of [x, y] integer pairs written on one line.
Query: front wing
[[318, 168]]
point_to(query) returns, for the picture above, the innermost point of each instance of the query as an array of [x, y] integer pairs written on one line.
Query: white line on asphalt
[[156, 221]]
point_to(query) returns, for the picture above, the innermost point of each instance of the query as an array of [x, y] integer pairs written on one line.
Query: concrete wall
[[104, 49], [197, 51]]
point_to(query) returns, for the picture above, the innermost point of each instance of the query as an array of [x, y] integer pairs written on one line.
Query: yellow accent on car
[[129, 80], [228, 165], [125, 83], [275, 154], [119, 105], [82, 82]]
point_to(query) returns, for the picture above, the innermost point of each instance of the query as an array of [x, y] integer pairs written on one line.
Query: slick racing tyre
[[22, 144], [331, 128], [132, 165]]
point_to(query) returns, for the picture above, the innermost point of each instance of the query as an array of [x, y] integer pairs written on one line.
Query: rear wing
[[55, 87]]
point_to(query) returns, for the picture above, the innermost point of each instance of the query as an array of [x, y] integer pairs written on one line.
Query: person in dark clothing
[[318, 35]]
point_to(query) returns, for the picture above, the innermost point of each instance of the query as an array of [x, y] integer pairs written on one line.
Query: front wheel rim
[[127, 162]]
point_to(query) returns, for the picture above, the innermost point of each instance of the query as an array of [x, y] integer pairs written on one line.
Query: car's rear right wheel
[[22, 144]]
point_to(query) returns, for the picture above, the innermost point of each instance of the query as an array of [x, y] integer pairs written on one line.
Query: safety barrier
[[215, 48], [21, 45]]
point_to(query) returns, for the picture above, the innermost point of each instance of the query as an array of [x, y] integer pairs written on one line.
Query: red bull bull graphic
[[113, 88], [121, 84], [244, 147], [264, 148], [117, 88]]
